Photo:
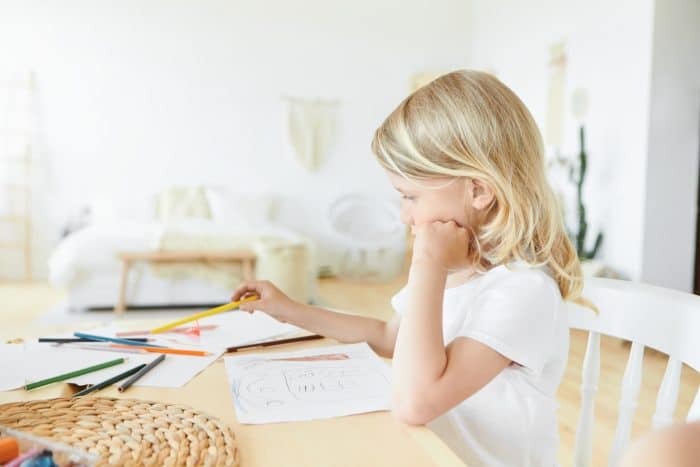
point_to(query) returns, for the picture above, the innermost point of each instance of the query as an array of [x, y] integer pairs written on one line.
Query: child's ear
[[481, 193]]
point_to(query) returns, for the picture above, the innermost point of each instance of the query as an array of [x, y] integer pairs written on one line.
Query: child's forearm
[[420, 357], [343, 327]]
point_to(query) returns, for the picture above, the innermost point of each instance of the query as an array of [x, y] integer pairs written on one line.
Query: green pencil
[[73, 374]]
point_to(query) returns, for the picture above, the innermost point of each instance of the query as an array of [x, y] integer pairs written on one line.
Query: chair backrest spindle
[[694, 412], [668, 395], [583, 448], [629, 398]]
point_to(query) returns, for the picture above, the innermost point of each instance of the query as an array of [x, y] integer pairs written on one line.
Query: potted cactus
[[576, 171], [577, 174]]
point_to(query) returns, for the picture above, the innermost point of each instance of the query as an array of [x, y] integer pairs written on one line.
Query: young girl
[[480, 339]]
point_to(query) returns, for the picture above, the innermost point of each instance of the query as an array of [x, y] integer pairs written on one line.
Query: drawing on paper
[[309, 384], [271, 385]]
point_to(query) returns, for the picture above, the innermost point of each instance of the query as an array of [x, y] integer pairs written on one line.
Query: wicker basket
[[126, 431]]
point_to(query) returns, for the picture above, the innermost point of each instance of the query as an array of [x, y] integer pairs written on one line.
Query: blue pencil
[[114, 339]]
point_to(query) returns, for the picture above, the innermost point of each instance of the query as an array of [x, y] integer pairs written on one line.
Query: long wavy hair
[[469, 124]]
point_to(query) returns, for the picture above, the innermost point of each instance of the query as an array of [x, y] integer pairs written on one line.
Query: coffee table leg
[[121, 303], [248, 268]]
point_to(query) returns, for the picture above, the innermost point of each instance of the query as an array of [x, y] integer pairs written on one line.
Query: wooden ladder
[[16, 171]]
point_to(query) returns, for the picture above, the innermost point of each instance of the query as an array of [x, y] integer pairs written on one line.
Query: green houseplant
[[577, 175]]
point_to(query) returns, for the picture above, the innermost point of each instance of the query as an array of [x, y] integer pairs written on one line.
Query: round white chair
[[371, 236]]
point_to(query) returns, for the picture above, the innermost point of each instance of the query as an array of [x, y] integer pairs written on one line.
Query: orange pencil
[[196, 353]]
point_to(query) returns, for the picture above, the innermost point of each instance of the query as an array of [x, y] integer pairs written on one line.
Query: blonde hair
[[469, 124]]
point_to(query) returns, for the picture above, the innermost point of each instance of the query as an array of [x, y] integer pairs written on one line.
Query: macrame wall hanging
[[311, 127]]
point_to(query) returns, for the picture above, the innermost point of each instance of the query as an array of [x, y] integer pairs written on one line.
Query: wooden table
[[373, 439], [244, 257]]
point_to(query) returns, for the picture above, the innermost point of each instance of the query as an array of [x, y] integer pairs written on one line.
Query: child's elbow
[[411, 410]]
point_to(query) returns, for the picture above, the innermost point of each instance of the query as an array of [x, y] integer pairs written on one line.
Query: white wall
[[674, 127], [609, 54], [135, 96]]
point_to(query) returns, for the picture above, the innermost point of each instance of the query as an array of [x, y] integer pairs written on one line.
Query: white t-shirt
[[511, 421]]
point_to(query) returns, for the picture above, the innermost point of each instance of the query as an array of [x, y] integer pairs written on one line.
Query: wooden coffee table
[[245, 258]]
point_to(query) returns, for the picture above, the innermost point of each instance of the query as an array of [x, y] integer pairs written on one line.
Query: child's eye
[[408, 197]]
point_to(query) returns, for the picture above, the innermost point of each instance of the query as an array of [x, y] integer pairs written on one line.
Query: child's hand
[[445, 244], [272, 301]]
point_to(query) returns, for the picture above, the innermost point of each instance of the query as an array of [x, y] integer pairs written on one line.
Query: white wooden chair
[[648, 316]]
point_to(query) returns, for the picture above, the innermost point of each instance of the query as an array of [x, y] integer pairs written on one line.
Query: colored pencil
[[100, 347], [125, 385], [72, 374], [63, 340], [275, 342], [109, 381], [195, 353], [204, 314], [116, 340], [183, 330]]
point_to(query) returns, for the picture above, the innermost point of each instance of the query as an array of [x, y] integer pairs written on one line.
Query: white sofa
[[85, 263]]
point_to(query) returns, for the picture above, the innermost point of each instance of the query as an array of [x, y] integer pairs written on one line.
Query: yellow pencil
[[203, 314]]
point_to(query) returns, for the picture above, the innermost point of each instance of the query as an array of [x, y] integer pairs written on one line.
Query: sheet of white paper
[[11, 366], [316, 383], [234, 328], [173, 372], [32, 362], [231, 329]]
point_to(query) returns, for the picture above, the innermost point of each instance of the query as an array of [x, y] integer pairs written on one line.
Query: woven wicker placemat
[[126, 431]]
